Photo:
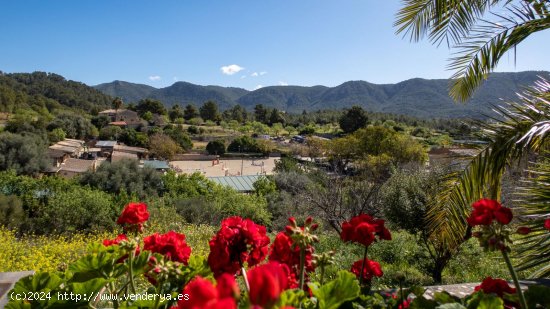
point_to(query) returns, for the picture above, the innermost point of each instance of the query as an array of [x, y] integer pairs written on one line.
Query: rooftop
[[77, 165], [239, 183], [156, 164], [119, 155], [105, 144], [130, 149]]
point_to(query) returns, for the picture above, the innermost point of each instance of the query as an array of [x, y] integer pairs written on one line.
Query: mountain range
[[415, 97]]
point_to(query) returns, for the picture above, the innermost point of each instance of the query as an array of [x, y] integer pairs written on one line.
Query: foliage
[[216, 147], [163, 146], [179, 136], [110, 133], [190, 112], [150, 105], [26, 154], [12, 214], [244, 144], [209, 111], [74, 126], [265, 186], [80, 209], [352, 120], [533, 194], [56, 135], [125, 176]]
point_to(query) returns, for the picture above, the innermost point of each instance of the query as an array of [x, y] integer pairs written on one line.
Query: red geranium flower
[[363, 229], [285, 252], [201, 293], [120, 238], [267, 282], [372, 269], [238, 241], [547, 224], [523, 230], [485, 211], [495, 286], [134, 215], [172, 245]]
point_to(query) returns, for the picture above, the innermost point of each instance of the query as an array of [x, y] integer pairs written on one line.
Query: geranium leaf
[[331, 295]]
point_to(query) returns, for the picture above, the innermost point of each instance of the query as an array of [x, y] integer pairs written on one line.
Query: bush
[[193, 130], [125, 176], [78, 210], [244, 144], [12, 214], [216, 147]]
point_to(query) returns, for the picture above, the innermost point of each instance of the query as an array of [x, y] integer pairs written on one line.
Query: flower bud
[[308, 220], [314, 226], [523, 230], [292, 221]]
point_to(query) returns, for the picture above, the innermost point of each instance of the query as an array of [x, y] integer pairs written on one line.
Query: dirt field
[[227, 167]]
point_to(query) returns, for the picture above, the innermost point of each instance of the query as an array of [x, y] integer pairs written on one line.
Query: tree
[[12, 214], [482, 42], [175, 112], [190, 112], [150, 105], [260, 113], [243, 144], [216, 147], [125, 176], [209, 111], [406, 196], [179, 136], [74, 126], [56, 135], [117, 104], [354, 119], [276, 117], [237, 113], [110, 133], [163, 146], [24, 154]]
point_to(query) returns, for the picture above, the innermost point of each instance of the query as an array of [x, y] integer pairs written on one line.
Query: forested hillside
[[47, 93], [415, 97]]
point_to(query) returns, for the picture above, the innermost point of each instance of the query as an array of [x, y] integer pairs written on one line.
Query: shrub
[[12, 214], [244, 144], [193, 130], [216, 147]]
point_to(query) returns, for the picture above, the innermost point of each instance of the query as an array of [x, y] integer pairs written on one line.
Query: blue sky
[[257, 43]]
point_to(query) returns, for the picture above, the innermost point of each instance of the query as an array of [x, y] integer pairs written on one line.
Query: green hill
[[47, 92], [415, 97]]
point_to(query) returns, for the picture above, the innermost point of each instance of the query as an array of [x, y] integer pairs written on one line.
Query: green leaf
[[445, 298], [490, 302], [538, 295], [100, 265], [333, 294], [293, 298]]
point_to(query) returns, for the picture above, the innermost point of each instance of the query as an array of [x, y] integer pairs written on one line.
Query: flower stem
[[322, 274], [245, 279], [363, 267], [131, 271], [302, 267], [514, 275]]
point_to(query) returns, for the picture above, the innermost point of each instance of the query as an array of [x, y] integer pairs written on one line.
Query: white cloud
[[154, 77], [231, 69], [263, 73], [258, 87], [254, 74], [281, 83]]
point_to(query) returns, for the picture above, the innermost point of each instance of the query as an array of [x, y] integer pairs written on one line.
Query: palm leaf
[[448, 211], [534, 196]]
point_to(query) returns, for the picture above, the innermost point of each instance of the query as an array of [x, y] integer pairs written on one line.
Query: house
[[70, 147], [120, 155], [141, 153], [129, 117], [72, 167]]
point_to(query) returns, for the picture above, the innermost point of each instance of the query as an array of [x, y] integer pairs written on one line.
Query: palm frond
[[481, 178], [488, 42], [534, 248], [441, 20]]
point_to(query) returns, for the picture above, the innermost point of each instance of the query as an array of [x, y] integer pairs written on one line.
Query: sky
[[240, 43]]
